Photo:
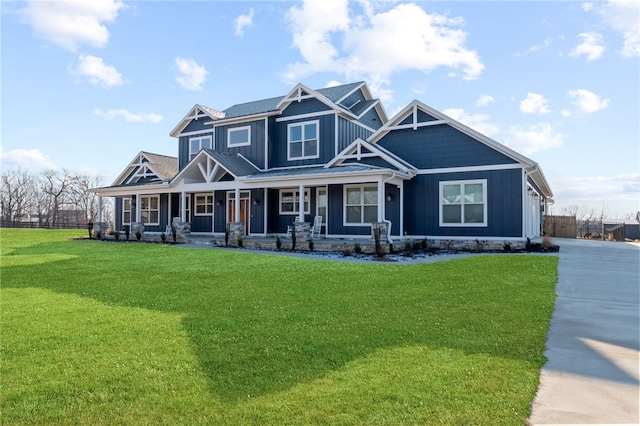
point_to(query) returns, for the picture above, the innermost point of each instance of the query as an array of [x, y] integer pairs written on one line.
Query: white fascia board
[[358, 87], [324, 179], [191, 115], [488, 167], [243, 118], [282, 105], [123, 191], [127, 170]]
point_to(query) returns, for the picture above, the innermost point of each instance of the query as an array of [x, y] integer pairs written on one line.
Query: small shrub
[[227, 232], [408, 248], [416, 245], [127, 230], [293, 240], [278, 243], [479, 245], [311, 244], [346, 253], [116, 235], [424, 244], [357, 248], [174, 233], [506, 246], [163, 237], [378, 246], [99, 235], [240, 241], [138, 235], [90, 229]]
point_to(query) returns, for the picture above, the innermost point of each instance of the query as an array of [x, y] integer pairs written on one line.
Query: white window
[[239, 136], [198, 143], [321, 204], [360, 204], [150, 209], [302, 140], [290, 201], [463, 203], [126, 211], [204, 204]]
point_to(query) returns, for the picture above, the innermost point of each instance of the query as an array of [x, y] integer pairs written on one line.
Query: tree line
[[50, 198]]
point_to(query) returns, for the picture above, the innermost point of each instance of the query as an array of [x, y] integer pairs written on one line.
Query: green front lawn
[[130, 333]]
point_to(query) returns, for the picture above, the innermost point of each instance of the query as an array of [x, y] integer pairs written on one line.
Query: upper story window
[[239, 136], [463, 203], [197, 143], [303, 140]]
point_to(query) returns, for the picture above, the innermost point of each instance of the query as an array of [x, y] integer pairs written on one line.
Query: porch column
[[183, 206], [301, 203], [138, 208], [237, 209], [99, 208], [381, 201]]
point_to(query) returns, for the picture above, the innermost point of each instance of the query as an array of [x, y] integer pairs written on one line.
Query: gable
[[197, 117], [148, 168], [362, 152]]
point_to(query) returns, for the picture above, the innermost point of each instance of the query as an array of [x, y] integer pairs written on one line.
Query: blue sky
[[87, 85]]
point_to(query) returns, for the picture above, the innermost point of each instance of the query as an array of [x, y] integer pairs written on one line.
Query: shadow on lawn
[[261, 324]]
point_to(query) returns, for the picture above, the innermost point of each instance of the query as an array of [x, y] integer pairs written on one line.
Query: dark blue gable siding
[[371, 119], [349, 132], [350, 100], [504, 204], [422, 117], [440, 146], [253, 152], [306, 106]]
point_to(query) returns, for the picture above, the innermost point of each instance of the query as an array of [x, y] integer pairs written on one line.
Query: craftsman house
[[334, 154]]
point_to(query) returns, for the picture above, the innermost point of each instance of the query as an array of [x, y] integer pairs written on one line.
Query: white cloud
[[129, 117], [72, 23], [242, 22], [566, 113], [623, 16], [484, 100], [539, 137], [587, 6], [478, 122], [587, 101], [534, 103], [191, 76], [375, 45], [99, 73], [26, 158], [592, 46]]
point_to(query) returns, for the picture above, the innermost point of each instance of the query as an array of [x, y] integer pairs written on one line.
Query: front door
[[245, 197]]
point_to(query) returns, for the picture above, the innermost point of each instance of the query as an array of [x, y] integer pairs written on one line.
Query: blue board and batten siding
[[504, 204], [253, 152], [326, 144], [441, 146]]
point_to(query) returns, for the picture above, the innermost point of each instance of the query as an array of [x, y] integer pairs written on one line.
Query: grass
[[103, 333]]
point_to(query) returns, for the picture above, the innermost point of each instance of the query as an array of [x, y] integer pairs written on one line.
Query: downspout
[[384, 200]]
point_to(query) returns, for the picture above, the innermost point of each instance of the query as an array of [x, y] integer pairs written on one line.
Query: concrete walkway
[[593, 345]]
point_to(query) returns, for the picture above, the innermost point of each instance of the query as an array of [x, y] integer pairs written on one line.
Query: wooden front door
[[244, 209]]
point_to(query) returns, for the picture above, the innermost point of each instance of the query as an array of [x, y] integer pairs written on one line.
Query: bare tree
[[55, 190], [17, 193], [82, 199]]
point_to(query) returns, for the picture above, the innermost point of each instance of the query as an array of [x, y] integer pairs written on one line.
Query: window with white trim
[[239, 136], [290, 201], [126, 211], [150, 209], [204, 204], [463, 203], [198, 143], [303, 140], [360, 204]]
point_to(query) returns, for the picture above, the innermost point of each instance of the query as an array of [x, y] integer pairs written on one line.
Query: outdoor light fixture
[[218, 203], [256, 201], [389, 197]]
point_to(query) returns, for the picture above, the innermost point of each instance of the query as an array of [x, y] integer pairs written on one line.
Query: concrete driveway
[[593, 344]]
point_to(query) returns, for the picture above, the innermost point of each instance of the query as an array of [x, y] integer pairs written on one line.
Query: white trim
[[416, 125], [470, 169], [461, 184], [197, 132], [303, 124], [243, 118], [295, 202], [358, 87], [130, 210], [238, 129], [266, 145], [324, 216], [305, 116], [361, 187], [247, 160]]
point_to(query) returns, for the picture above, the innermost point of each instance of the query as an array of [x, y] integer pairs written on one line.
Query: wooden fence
[[560, 226]]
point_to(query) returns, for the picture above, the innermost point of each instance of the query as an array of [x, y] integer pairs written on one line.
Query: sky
[[86, 85]]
